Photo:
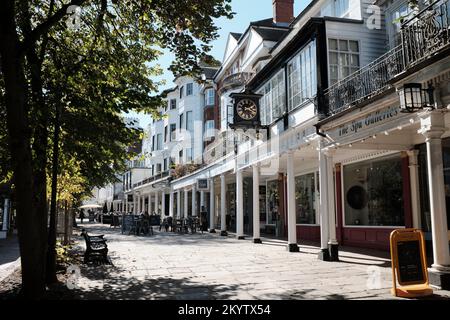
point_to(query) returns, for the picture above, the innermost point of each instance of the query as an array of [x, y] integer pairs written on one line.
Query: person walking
[[203, 219]]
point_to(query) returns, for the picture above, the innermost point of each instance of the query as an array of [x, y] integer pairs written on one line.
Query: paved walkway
[[9, 256], [207, 266]]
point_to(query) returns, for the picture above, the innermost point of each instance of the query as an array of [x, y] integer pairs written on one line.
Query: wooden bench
[[95, 247]]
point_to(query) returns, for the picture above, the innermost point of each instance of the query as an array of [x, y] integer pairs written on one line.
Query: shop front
[[373, 199], [371, 160]]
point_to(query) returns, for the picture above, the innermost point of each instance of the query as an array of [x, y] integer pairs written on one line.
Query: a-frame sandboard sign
[[409, 264]]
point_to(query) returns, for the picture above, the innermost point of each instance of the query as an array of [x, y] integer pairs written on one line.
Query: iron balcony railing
[[157, 176], [426, 33], [365, 83], [422, 36]]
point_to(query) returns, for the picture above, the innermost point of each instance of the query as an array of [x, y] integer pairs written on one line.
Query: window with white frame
[[173, 104], [336, 8], [302, 76], [159, 141], [394, 17], [188, 154], [209, 97], [209, 128], [173, 131], [341, 8], [189, 122], [278, 95], [272, 103], [343, 58], [189, 89]]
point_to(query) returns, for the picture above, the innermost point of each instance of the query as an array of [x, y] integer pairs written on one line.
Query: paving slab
[[207, 266]]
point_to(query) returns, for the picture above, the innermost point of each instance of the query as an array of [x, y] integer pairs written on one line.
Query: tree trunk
[[51, 252], [29, 220]]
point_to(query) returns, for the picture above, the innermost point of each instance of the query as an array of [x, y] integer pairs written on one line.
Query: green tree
[[105, 66]]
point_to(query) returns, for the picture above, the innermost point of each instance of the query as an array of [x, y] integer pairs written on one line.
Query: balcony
[[366, 83], [423, 36], [156, 177], [427, 33], [236, 80]]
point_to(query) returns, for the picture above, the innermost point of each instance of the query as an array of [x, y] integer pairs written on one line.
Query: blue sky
[[246, 11]]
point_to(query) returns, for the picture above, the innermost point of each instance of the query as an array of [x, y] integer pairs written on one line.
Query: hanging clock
[[246, 110]]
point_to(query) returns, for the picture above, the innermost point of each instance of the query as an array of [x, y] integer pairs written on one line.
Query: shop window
[[305, 192], [373, 193], [272, 201]]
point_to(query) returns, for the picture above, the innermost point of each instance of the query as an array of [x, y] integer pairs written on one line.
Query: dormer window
[[336, 8]]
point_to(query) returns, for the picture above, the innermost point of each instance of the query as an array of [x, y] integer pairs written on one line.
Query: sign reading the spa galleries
[[364, 124]]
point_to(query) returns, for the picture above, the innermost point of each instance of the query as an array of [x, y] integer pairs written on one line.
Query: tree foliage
[[93, 73]]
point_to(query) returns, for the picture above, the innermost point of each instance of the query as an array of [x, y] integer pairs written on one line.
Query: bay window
[[272, 103], [302, 76]]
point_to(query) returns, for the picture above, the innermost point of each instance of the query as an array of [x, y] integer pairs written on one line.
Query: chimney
[[283, 11]]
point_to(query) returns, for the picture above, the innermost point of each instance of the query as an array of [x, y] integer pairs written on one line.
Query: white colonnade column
[[202, 200], [414, 185], [185, 207], [171, 202], [239, 205], [324, 253], [292, 225], [212, 207], [223, 192], [333, 246], [194, 211], [433, 127], [256, 211], [179, 204]]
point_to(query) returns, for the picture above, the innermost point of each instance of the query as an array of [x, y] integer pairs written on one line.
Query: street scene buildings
[[352, 138], [352, 143]]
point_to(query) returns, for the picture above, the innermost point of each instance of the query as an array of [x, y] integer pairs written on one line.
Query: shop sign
[[202, 184], [409, 265], [367, 122]]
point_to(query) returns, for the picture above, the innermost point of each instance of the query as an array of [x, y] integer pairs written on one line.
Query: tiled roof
[[270, 34]]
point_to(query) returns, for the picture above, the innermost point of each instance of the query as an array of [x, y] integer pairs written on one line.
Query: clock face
[[246, 109]]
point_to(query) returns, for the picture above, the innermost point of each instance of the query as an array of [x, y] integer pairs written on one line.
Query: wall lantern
[[413, 97]]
